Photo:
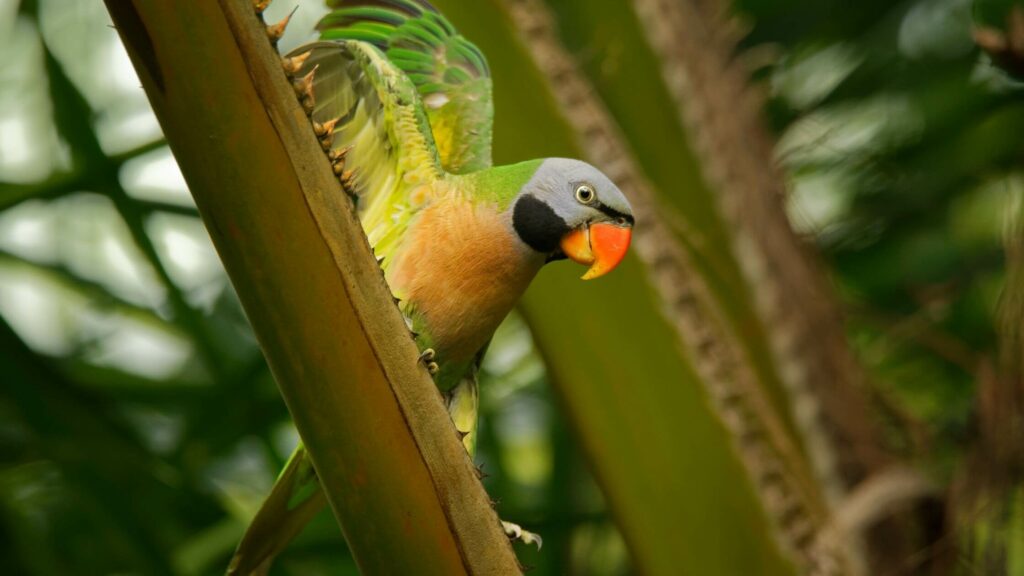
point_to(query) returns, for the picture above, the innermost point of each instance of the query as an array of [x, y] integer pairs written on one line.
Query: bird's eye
[[585, 194]]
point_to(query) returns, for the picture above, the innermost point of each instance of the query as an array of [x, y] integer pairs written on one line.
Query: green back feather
[[501, 184]]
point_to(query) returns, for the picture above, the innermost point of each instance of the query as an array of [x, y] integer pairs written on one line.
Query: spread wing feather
[[449, 72], [390, 159]]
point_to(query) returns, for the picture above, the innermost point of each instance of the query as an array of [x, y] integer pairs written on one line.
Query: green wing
[[390, 157], [450, 73]]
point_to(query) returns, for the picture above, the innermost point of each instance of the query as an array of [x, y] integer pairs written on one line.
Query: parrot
[[403, 105]]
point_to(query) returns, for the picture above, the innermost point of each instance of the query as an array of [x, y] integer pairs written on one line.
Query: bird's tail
[[292, 503]]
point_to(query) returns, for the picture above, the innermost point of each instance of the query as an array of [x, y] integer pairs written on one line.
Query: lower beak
[[601, 246]]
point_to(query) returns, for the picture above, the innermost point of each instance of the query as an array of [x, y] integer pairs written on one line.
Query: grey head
[[562, 196]]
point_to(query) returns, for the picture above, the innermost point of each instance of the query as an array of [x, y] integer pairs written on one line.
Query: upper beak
[[600, 245]]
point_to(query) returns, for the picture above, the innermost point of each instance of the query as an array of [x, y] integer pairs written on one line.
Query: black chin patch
[[538, 225]]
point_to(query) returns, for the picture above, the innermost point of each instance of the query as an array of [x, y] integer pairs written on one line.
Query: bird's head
[[569, 209]]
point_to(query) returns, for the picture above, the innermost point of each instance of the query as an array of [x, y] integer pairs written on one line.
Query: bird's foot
[[516, 532], [427, 358]]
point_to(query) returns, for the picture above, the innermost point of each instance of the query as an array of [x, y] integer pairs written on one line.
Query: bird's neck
[[498, 185]]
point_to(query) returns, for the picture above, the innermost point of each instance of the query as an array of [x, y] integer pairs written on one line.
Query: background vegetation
[[140, 427]]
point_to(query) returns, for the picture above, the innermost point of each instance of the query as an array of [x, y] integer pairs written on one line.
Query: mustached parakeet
[[408, 103]]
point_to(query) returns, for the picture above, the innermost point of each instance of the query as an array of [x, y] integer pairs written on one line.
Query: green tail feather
[[293, 502]]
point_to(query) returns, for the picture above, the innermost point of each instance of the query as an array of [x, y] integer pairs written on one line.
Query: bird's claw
[[427, 358], [516, 532]]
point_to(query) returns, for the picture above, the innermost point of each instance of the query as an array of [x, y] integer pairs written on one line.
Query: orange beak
[[601, 246]]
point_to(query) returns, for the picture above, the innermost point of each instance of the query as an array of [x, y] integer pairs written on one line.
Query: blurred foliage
[[140, 427], [901, 144]]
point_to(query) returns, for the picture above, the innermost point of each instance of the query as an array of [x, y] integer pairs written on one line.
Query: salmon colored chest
[[462, 268]]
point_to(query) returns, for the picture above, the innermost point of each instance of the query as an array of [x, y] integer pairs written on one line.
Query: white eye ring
[[585, 194]]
